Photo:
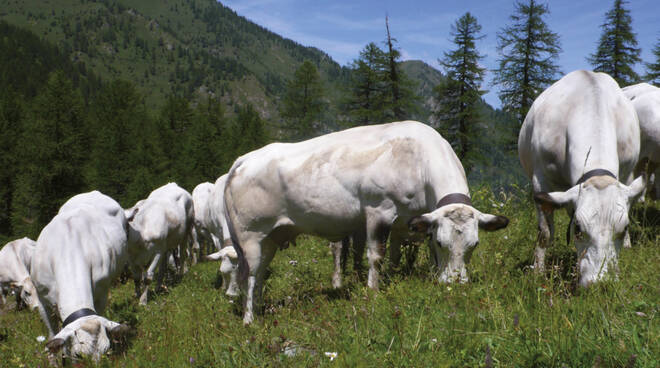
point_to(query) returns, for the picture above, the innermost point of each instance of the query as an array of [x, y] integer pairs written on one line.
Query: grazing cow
[[161, 224], [201, 233], [646, 100], [218, 227], [77, 257], [367, 179], [15, 260], [580, 142]]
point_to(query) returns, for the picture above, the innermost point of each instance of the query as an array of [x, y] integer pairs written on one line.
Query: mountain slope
[[189, 47]]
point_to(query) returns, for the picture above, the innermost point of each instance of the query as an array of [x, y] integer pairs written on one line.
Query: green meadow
[[506, 316]]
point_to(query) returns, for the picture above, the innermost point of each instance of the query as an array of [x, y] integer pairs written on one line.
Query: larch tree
[[457, 97], [401, 99], [528, 52], [303, 102], [366, 100], [617, 51]]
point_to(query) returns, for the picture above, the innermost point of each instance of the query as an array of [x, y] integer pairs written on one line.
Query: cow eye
[[578, 230]]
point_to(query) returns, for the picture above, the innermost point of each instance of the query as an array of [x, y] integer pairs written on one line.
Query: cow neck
[[80, 313], [588, 175], [453, 198], [595, 172]]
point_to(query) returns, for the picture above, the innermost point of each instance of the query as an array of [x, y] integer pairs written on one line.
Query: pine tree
[[653, 69], [457, 97], [366, 100], [249, 131], [617, 52], [52, 154], [527, 65], [303, 102], [119, 112], [176, 118], [11, 120]]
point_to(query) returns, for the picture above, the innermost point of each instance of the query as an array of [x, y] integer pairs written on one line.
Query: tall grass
[[506, 316]]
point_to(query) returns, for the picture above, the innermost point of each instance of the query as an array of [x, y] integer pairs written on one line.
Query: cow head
[[228, 268], [455, 233], [87, 336], [28, 293], [601, 206]]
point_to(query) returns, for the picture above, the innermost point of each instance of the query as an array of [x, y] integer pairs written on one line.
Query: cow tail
[[243, 266]]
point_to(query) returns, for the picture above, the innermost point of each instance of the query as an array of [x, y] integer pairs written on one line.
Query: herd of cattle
[[581, 145]]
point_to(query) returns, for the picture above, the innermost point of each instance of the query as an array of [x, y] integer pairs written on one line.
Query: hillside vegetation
[[506, 316]]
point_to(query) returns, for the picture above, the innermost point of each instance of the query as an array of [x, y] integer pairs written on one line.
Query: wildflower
[[191, 360], [448, 288], [293, 262], [331, 355], [41, 338], [434, 340]]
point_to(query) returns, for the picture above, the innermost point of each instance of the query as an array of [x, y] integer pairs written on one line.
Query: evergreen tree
[[653, 69], [119, 112], [176, 118], [11, 116], [303, 102], [202, 155], [52, 154], [617, 52], [401, 99], [527, 65], [249, 132], [366, 99], [459, 94]]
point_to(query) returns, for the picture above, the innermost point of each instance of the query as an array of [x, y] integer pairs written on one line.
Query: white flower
[[293, 262], [434, 340], [331, 355], [41, 338], [448, 288]]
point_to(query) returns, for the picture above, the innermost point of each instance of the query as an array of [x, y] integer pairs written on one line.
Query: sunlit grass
[[506, 316]]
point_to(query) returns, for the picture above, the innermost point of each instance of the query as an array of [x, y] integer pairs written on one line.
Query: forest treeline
[[69, 126]]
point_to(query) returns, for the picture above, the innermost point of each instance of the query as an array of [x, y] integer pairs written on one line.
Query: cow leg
[[378, 230], [3, 301], [258, 254], [195, 235], [337, 252], [216, 244], [545, 237]]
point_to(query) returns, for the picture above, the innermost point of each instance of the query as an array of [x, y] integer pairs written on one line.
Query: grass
[[506, 316]]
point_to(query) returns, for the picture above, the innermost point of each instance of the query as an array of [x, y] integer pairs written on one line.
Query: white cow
[[218, 227], [201, 233], [580, 141], [646, 100], [15, 261], [372, 179], [77, 257], [162, 224]]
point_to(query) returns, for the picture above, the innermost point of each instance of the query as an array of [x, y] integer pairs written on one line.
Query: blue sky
[[342, 28]]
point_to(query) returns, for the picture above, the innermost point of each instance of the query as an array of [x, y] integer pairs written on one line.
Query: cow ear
[[420, 224], [130, 214], [636, 189], [213, 256], [554, 200], [54, 345], [492, 222]]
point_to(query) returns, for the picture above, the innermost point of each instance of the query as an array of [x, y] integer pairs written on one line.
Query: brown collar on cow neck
[[452, 198], [596, 172], [80, 313]]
